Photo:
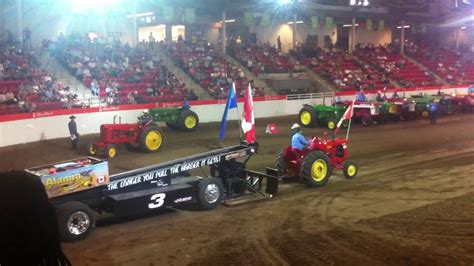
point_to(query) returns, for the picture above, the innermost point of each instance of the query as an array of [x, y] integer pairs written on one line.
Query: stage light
[[297, 22], [284, 2], [463, 27]]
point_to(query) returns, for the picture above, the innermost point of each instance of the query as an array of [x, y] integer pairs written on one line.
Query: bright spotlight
[[284, 2]]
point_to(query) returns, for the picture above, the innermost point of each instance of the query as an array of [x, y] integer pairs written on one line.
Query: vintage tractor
[[324, 115], [367, 113], [316, 162], [179, 118], [397, 110], [144, 135], [422, 104]]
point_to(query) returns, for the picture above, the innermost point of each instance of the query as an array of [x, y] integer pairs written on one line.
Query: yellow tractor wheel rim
[[351, 170], [392, 109], [92, 150], [112, 152], [331, 125], [153, 140], [319, 169], [425, 114], [190, 122], [305, 118]]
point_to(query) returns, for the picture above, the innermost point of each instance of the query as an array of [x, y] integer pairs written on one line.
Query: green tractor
[[323, 115], [177, 118]]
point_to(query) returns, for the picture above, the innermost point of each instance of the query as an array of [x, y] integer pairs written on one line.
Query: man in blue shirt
[[298, 141], [433, 111], [360, 97]]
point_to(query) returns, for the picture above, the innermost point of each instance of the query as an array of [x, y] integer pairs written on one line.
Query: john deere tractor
[[178, 118], [324, 115]]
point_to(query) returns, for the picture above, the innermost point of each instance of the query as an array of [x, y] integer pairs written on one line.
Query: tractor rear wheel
[[350, 169], [308, 117], [151, 139], [425, 114], [188, 120], [280, 164], [317, 169], [366, 120], [111, 151], [331, 124], [92, 149]]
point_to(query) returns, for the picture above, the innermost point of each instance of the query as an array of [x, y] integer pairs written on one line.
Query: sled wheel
[[75, 221], [188, 120], [111, 151], [151, 139], [331, 124], [317, 169], [308, 117], [350, 169], [92, 149], [210, 193], [425, 114]]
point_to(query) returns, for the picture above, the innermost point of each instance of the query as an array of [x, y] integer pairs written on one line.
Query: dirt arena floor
[[411, 204]]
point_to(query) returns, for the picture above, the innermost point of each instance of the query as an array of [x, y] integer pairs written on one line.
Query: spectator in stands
[[29, 229], [279, 43], [378, 97], [131, 98], [395, 95]]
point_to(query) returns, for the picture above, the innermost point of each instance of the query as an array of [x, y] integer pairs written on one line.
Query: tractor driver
[[146, 118], [298, 141]]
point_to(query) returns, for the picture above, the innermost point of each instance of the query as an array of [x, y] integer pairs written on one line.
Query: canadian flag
[[248, 119], [346, 116]]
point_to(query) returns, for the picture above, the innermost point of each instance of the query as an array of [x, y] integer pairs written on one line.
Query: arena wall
[[29, 127]]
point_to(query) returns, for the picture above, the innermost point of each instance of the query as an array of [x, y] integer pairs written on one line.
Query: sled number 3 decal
[[157, 200]]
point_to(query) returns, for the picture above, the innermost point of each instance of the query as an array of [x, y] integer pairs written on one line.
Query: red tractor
[[316, 162], [144, 135]]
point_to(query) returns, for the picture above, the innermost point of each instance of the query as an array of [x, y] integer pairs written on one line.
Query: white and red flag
[[346, 116], [248, 119]]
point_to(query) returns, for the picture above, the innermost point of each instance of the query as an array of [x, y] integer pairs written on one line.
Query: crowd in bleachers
[[263, 58], [117, 72], [24, 85], [368, 67], [208, 68], [455, 65]]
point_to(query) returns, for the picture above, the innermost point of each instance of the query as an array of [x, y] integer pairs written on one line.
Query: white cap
[[295, 125]]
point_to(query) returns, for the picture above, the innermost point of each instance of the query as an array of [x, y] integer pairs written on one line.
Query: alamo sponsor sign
[[154, 176]]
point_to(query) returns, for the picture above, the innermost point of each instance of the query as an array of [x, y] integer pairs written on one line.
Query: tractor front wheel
[[317, 169], [366, 120], [151, 139], [350, 169], [308, 117], [188, 120], [331, 124], [111, 151], [92, 149]]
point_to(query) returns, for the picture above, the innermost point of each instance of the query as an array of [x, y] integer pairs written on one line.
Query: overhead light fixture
[[359, 3], [406, 27], [141, 15], [284, 2], [228, 21], [463, 27], [350, 25], [292, 22]]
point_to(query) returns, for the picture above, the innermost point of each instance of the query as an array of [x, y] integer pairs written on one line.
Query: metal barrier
[[307, 96]]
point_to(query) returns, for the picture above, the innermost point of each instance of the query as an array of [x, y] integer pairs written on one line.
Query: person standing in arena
[[433, 112], [73, 132]]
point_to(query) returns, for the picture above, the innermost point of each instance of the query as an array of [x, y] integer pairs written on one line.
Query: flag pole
[[238, 117], [348, 129]]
